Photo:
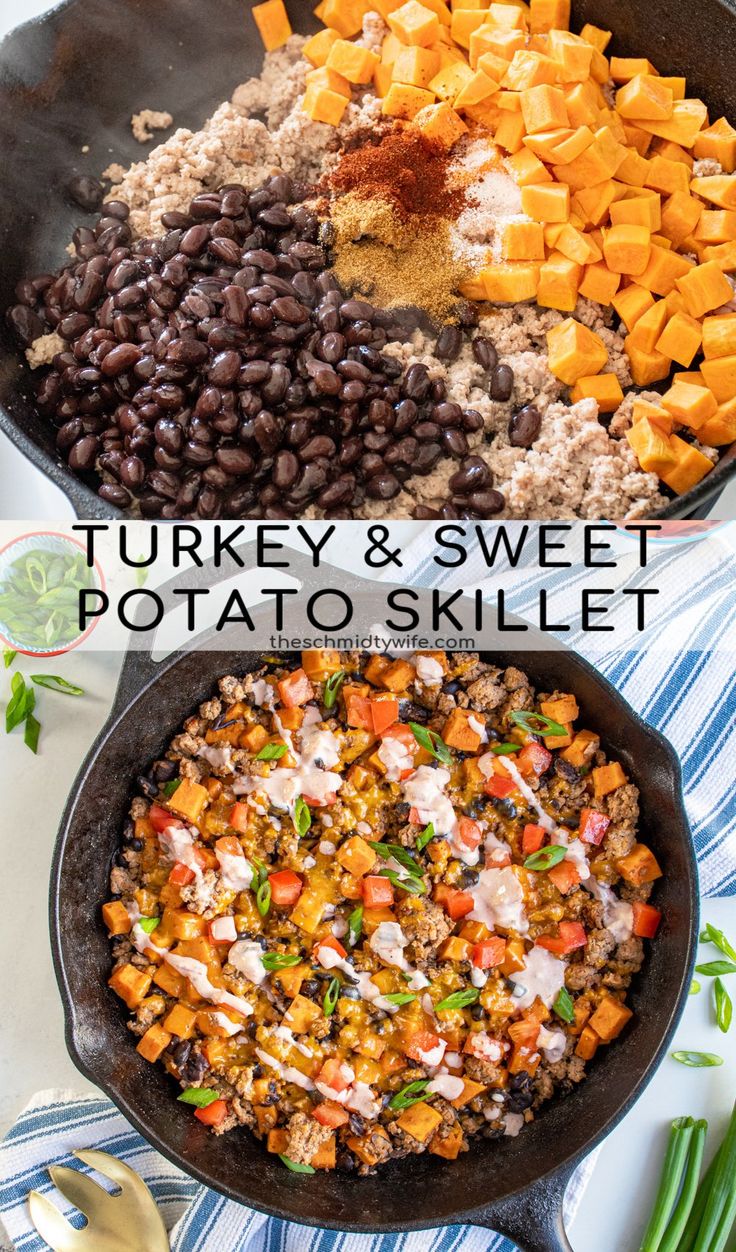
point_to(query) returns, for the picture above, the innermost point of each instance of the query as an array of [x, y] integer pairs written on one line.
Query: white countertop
[[32, 1050]]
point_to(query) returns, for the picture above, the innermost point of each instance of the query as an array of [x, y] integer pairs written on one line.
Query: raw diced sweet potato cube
[[626, 249], [442, 123], [356, 856], [721, 427], [330, 79], [324, 105], [417, 66], [652, 446], [273, 23], [719, 143], [644, 96], [681, 338], [646, 367], [546, 202], [719, 374], [353, 62], [606, 390], [317, 49], [574, 351], [607, 778], [189, 799], [631, 303], [155, 1041], [457, 731], [130, 984], [420, 1121], [559, 279], [639, 865], [116, 917], [543, 108], [523, 241], [414, 24], [546, 15], [719, 336], [404, 101], [704, 288], [587, 1044], [609, 1019], [510, 282], [689, 404]]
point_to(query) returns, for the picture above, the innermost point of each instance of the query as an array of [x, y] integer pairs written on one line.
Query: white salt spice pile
[[493, 200]]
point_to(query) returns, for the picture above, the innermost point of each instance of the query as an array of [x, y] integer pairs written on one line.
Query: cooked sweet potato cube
[[561, 708], [458, 733], [587, 1044], [364, 1148], [468, 1093], [116, 917], [254, 738], [420, 1121], [277, 1140], [356, 856], [639, 865], [449, 1144], [398, 675], [180, 1021], [319, 663], [130, 984], [609, 1019], [607, 778], [301, 1014], [189, 800], [155, 1041]]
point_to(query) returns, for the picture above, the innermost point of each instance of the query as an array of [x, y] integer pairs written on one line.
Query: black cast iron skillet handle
[[532, 1219]]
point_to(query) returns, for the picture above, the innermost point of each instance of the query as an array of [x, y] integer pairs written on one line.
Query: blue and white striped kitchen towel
[[689, 695]]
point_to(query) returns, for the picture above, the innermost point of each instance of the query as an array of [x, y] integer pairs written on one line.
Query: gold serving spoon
[[126, 1222]]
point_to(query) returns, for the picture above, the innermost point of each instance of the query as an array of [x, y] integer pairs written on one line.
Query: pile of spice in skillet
[[369, 907], [557, 228]]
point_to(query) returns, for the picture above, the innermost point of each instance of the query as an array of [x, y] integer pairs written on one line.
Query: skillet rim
[[482, 1215], [84, 499]]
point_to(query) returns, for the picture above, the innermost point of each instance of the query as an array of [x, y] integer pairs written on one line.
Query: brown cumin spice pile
[[391, 208]]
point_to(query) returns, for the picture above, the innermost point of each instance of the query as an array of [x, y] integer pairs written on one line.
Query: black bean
[[285, 470], [449, 343], [524, 427], [416, 382], [119, 359], [85, 191], [484, 352], [83, 453], [383, 486], [473, 475], [25, 324], [455, 443], [486, 503], [502, 382]]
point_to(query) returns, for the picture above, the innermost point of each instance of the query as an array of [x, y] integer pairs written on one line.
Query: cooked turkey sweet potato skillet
[[371, 907]]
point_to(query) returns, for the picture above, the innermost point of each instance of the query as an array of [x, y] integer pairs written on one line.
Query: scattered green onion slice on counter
[[432, 742], [295, 1166], [332, 688], [695, 988], [697, 1060], [263, 898], [31, 732], [170, 787], [673, 1170], [412, 1093], [426, 837], [688, 1191], [712, 969], [723, 1006], [505, 749], [546, 858], [20, 703], [271, 752], [711, 934], [200, 1097], [55, 683], [8, 657], [302, 816], [332, 995], [279, 960], [563, 1006], [355, 925], [400, 997], [536, 723], [459, 999], [148, 924]]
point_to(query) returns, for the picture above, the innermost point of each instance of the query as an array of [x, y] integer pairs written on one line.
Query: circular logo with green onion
[[41, 576]]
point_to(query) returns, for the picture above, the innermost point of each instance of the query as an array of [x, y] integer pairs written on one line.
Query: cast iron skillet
[[513, 1185], [73, 78]]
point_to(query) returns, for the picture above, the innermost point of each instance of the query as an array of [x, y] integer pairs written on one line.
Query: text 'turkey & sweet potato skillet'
[[511, 1185]]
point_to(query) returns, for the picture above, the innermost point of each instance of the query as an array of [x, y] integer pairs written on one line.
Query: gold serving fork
[[126, 1222]]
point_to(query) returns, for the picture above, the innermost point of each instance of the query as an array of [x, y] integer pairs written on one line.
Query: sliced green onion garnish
[[432, 742], [399, 854], [546, 858], [695, 988], [20, 703], [673, 1169], [563, 1006], [426, 837], [55, 683], [412, 1093], [279, 960], [271, 752], [200, 1097], [505, 749], [536, 723], [711, 934], [723, 1005], [712, 969], [400, 997], [332, 687], [263, 898], [355, 925], [295, 1166], [31, 732], [148, 924], [458, 999], [412, 886], [697, 1060], [302, 816], [8, 657], [170, 787], [332, 995]]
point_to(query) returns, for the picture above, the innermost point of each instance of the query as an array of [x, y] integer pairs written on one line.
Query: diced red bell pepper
[[414, 817], [330, 798], [378, 893], [383, 714], [571, 936], [332, 1075], [455, 903], [468, 832], [534, 758], [564, 876], [295, 689], [239, 817], [646, 919], [403, 734], [286, 887], [214, 1114], [489, 952], [331, 942], [421, 1041], [499, 787], [329, 1114], [532, 838], [593, 826], [358, 711], [160, 818], [181, 875]]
